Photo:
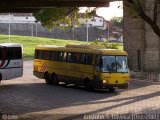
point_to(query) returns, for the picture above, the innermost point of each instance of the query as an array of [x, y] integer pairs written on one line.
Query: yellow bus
[[92, 66]]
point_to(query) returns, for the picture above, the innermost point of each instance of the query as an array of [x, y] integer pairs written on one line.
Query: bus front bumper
[[101, 85]]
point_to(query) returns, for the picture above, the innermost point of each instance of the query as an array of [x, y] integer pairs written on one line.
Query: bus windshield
[[114, 64]]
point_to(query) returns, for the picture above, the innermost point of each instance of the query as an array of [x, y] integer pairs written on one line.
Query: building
[[17, 18], [94, 21]]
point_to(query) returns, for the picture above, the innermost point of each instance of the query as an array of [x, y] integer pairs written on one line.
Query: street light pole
[[31, 29], [108, 31], [9, 31], [36, 29], [87, 28]]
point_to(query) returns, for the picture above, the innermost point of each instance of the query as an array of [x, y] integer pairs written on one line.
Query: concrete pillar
[[134, 39], [141, 43], [152, 51]]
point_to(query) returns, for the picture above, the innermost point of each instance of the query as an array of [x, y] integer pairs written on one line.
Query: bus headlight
[[104, 81]]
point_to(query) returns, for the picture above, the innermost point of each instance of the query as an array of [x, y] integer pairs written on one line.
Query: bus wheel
[[54, 79], [112, 89], [46, 77], [88, 85]]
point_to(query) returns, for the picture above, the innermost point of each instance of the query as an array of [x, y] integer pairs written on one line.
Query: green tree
[[106, 44], [51, 17], [60, 17], [137, 8], [117, 21]]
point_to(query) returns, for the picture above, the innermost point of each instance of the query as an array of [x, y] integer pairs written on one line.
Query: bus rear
[[11, 62]]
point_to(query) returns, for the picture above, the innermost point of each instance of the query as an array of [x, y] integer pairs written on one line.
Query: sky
[[115, 10], [109, 12]]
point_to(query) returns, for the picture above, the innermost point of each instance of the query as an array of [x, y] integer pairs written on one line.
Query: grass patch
[[29, 43]]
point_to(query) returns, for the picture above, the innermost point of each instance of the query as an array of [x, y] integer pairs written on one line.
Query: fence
[[36, 29]]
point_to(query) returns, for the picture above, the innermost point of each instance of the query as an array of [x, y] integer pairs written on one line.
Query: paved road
[[30, 98]]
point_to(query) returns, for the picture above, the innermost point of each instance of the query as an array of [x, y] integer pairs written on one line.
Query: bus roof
[[11, 44], [83, 48]]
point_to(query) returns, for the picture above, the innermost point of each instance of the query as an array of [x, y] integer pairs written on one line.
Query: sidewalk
[[152, 77], [146, 81]]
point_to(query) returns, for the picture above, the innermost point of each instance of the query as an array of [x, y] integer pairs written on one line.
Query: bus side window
[[44, 55], [73, 55], [13, 50], [80, 58], [17, 53], [56, 56], [52, 55], [40, 54], [69, 58], [61, 56], [36, 54], [89, 59], [47, 55], [64, 56], [10, 53]]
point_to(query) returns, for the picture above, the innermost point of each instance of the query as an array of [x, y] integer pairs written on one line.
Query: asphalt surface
[[29, 98]]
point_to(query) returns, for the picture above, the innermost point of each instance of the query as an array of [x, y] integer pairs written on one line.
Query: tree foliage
[[117, 21], [60, 17], [139, 8], [50, 17], [106, 44]]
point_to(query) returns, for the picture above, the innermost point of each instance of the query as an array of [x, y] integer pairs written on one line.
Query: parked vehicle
[[11, 63]]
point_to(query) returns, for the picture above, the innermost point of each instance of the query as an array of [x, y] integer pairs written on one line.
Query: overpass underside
[[29, 6]]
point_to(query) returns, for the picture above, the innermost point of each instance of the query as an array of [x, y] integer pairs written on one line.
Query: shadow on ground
[[36, 97], [26, 98]]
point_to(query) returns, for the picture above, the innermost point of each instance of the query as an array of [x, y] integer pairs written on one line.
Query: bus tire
[[54, 79], [47, 78], [88, 85], [112, 89]]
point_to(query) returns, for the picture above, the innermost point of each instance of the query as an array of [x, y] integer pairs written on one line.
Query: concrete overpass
[[7, 6], [142, 45]]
